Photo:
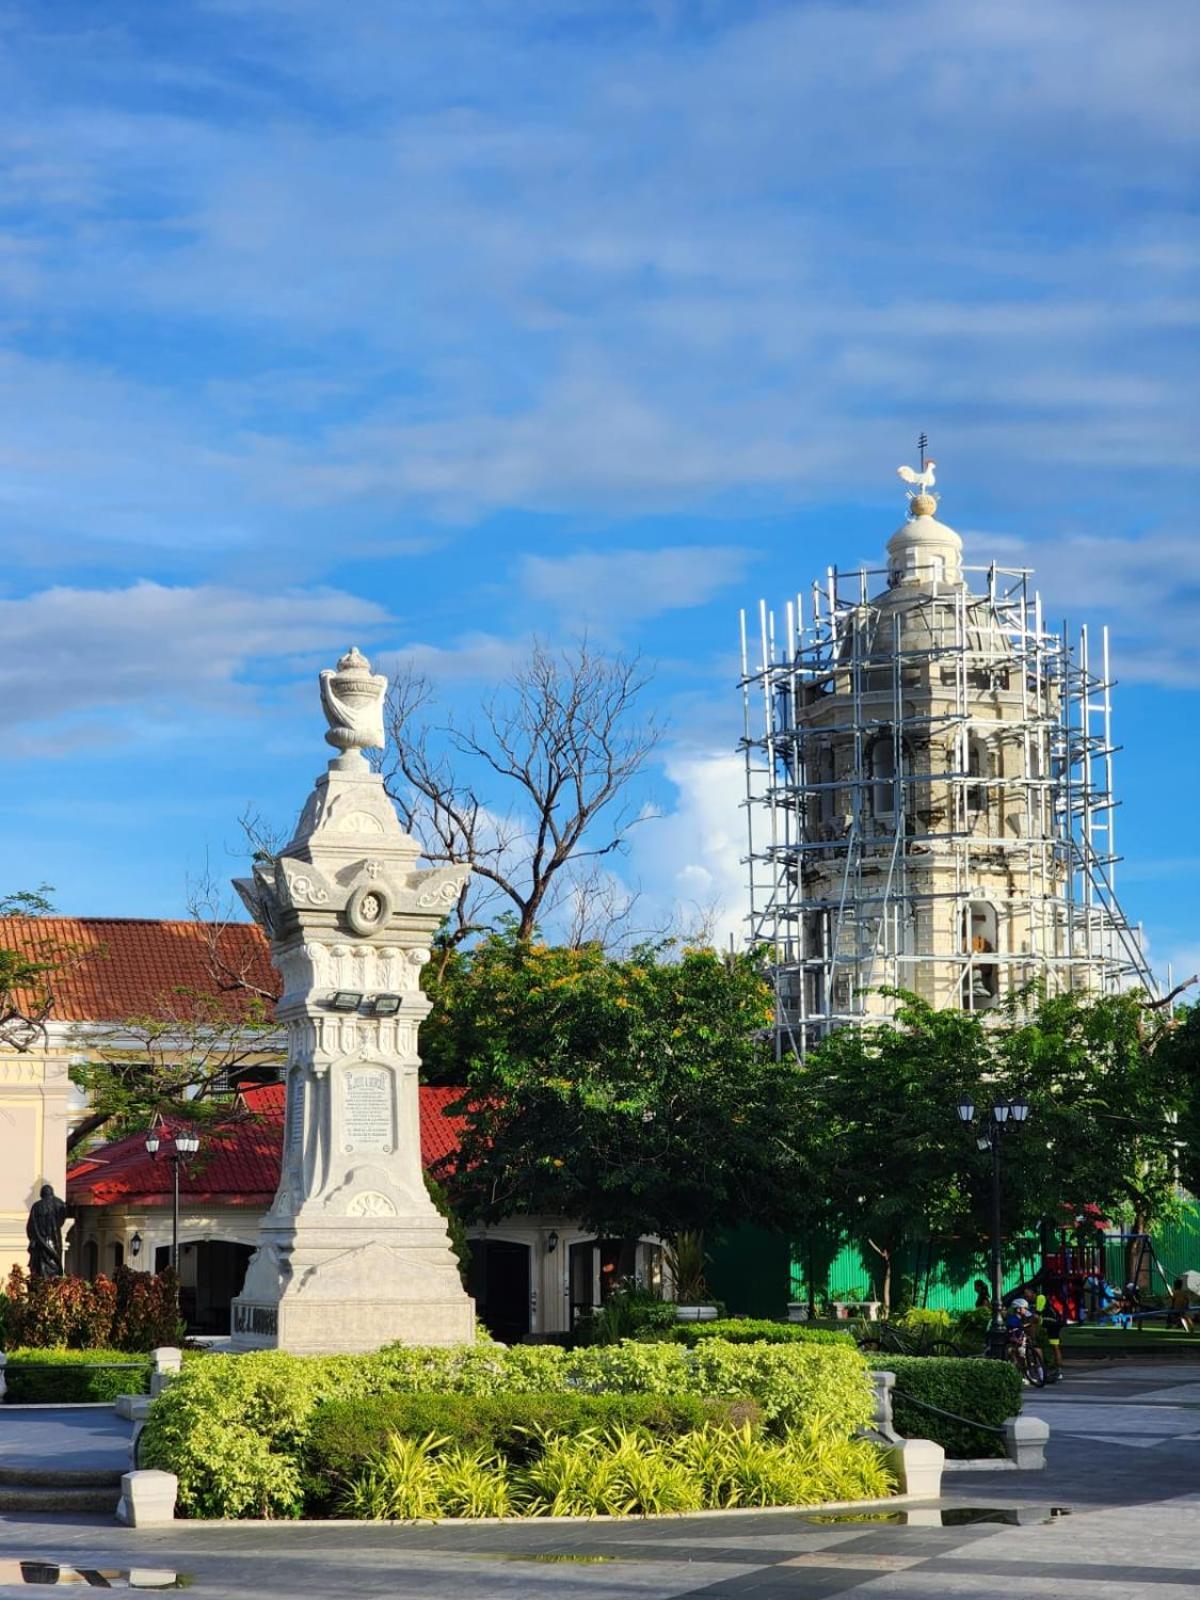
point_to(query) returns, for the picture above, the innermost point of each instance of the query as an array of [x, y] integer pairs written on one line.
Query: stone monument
[[352, 1254]]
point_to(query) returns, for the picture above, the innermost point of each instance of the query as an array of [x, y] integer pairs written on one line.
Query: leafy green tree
[[637, 1094], [880, 1138], [892, 1165]]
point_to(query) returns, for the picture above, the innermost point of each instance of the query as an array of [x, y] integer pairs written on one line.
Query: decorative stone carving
[[352, 699], [352, 1254], [370, 1203]]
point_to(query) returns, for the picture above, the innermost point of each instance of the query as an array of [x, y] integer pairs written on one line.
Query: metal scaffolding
[[929, 800]]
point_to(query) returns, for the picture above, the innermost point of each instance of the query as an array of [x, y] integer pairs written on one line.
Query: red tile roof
[[238, 1163], [118, 968]]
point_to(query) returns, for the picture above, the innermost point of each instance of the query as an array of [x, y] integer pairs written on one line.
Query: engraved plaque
[[367, 1120]]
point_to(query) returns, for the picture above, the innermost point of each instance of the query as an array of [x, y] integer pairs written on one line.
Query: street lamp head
[[1000, 1112], [187, 1143], [152, 1142], [1019, 1108], [966, 1111]]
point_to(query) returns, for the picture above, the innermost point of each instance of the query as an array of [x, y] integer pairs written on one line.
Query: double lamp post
[[1004, 1116], [185, 1145]]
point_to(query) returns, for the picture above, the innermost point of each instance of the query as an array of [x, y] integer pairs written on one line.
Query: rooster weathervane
[[922, 482]]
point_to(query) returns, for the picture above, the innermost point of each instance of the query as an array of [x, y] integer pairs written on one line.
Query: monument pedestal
[[353, 1254]]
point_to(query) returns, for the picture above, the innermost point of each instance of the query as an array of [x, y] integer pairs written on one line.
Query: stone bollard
[[1025, 1442], [167, 1364], [3, 1379], [882, 1424], [147, 1498], [917, 1464], [133, 1407]]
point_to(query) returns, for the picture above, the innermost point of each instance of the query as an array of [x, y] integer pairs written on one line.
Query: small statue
[[44, 1230], [352, 699]]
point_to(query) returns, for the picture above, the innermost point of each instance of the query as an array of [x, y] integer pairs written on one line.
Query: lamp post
[[185, 1145], [1003, 1117]]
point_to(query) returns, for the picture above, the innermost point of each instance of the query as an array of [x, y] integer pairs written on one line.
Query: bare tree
[[190, 1050], [231, 960], [534, 785]]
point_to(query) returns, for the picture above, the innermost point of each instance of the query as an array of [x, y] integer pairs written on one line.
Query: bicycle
[[890, 1340], [1026, 1355]]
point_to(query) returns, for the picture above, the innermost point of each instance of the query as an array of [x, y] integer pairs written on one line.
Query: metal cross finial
[[922, 445]]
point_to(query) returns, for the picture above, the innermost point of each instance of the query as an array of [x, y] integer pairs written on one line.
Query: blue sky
[[424, 326]]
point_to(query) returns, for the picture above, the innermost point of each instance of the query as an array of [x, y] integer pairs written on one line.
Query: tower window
[[981, 971], [885, 792], [979, 766]]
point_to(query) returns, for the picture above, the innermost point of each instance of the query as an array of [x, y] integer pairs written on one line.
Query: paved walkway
[[1124, 1458], [65, 1438]]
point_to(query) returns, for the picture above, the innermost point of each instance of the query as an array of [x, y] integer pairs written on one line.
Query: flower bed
[[236, 1429]]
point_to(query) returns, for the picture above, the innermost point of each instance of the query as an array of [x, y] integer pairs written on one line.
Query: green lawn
[[1149, 1340]]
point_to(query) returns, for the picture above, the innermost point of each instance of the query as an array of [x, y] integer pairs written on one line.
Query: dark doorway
[[219, 1272], [499, 1281]]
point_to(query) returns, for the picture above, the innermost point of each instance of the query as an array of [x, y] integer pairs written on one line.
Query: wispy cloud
[[153, 651], [616, 588]]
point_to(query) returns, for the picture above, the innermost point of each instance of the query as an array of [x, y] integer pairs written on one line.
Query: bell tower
[[929, 779]]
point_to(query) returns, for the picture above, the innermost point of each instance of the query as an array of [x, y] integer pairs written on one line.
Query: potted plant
[[686, 1262]]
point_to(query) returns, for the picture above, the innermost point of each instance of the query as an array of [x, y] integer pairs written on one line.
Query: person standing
[[1050, 1328]]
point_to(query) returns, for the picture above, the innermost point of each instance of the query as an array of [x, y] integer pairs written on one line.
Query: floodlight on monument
[[983, 1142], [187, 1143], [386, 1005], [1018, 1109], [966, 1111], [152, 1142], [345, 1000], [1000, 1112]]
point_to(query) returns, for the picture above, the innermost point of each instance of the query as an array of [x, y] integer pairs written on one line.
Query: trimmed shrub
[[984, 1391], [72, 1377], [235, 1428], [345, 1434], [745, 1330]]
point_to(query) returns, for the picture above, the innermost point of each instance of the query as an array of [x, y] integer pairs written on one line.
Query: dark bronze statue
[[44, 1230]]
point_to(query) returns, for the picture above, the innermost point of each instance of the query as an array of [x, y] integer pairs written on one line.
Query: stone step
[[17, 1475], [20, 1500]]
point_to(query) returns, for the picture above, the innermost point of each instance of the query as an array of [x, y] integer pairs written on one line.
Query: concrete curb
[[888, 1504]]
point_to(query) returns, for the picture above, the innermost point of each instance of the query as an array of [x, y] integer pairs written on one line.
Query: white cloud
[[688, 859], [625, 586], [150, 651], [471, 657], [1144, 588]]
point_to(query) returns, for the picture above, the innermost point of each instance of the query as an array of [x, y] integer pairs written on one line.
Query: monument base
[[320, 1288], [350, 1326]]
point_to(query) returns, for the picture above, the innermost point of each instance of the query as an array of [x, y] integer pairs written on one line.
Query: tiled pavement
[[1124, 1459]]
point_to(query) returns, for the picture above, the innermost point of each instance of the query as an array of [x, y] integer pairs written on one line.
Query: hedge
[[346, 1433], [985, 1391], [745, 1330], [235, 1428], [72, 1377]]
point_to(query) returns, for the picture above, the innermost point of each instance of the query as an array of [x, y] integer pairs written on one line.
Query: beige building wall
[[34, 1110]]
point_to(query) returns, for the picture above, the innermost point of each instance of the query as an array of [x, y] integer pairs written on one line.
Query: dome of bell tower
[[924, 550]]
